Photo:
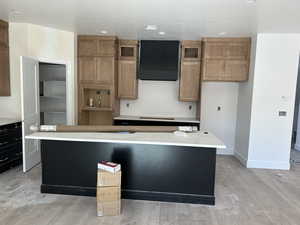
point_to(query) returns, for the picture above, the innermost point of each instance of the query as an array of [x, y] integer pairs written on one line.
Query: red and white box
[[109, 166]]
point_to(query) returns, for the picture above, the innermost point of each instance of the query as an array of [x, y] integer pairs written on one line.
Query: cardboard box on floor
[[112, 208], [107, 179], [108, 193]]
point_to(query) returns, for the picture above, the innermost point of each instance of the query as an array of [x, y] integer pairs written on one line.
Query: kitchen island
[[155, 166]]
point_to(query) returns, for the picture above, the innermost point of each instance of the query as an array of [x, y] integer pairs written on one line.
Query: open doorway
[[295, 147], [52, 88]]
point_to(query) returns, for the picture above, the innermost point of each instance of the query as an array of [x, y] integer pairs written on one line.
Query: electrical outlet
[[282, 113], [127, 105]]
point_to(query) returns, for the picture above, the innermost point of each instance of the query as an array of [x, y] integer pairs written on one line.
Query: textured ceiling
[[188, 19]]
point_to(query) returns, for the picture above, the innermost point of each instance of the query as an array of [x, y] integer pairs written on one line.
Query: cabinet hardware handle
[[3, 160]]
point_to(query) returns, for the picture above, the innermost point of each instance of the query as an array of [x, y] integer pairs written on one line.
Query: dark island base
[[149, 172]]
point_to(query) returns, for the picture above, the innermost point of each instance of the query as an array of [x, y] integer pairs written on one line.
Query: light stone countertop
[[197, 139]]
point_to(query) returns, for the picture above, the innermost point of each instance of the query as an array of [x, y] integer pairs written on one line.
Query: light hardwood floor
[[243, 197]]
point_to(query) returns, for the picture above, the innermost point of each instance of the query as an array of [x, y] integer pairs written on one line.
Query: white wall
[[38, 42], [221, 123], [157, 98], [160, 98], [244, 110], [275, 76]]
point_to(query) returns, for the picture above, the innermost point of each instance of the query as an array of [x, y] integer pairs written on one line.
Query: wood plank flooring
[[243, 197]]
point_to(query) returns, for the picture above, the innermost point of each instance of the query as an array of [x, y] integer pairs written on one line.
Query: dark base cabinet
[[10, 146], [149, 172]]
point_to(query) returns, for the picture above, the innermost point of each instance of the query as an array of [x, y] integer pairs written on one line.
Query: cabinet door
[[238, 50], [87, 69], [127, 52], [127, 82], [191, 53], [106, 48], [189, 81], [236, 70], [3, 33], [87, 47], [214, 50], [213, 70], [4, 72], [105, 70]]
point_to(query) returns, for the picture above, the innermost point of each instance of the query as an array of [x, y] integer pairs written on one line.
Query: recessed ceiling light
[[161, 33], [103, 31], [151, 27], [222, 33], [251, 1]]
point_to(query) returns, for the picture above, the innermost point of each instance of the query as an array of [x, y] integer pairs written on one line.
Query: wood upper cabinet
[[87, 68], [127, 80], [128, 50], [97, 76], [87, 47], [105, 70], [189, 89], [96, 46], [213, 69], [236, 70], [4, 60], [214, 50], [96, 70], [106, 47], [4, 72], [238, 50], [225, 59], [3, 33], [190, 50], [127, 72]]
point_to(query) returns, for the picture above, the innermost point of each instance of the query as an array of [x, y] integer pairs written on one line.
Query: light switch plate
[[282, 113]]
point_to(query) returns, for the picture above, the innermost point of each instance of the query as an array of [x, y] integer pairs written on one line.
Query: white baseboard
[[283, 165], [225, 151], [258, 164], [241, 158]]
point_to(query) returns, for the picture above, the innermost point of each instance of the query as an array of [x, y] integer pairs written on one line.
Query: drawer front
[[12, 153], [8, 141], [10, 134]]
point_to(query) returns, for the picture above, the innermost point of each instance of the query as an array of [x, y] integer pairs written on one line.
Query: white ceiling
[[187, 19]]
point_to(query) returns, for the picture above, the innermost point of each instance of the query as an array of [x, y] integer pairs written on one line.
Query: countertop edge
[[129, 142], [159, 120]]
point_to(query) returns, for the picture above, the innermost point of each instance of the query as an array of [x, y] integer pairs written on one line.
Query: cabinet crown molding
[[191, 43], [128, 42], [97, 37]]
